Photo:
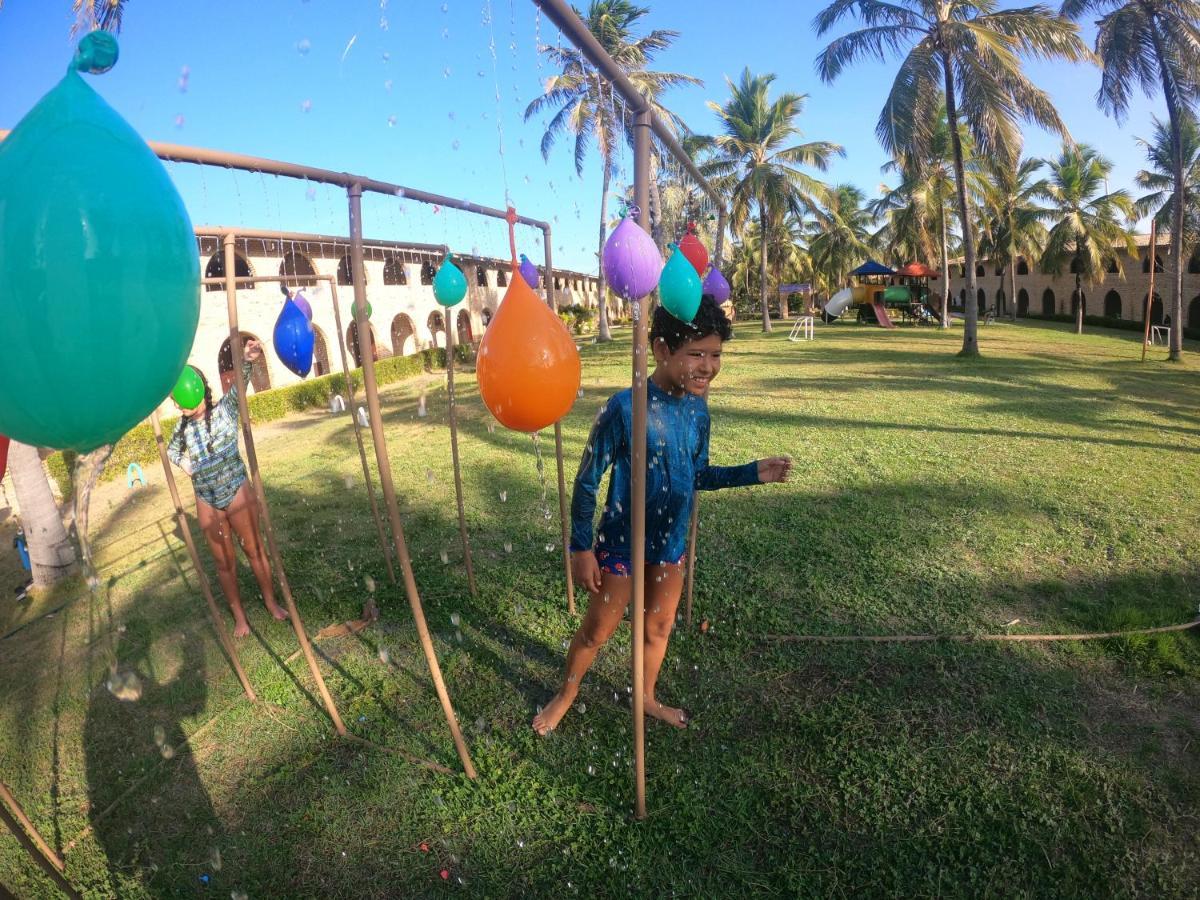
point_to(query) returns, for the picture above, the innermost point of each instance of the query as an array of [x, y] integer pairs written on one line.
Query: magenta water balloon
[[529, 271], [303, 305], [716, 286], [632, 263]]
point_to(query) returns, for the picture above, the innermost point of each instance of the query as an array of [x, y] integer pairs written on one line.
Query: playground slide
[[881, 315], [839, 303]]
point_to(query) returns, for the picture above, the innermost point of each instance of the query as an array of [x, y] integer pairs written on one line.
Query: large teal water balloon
[[99, 272], [679, 286], [449, 285]]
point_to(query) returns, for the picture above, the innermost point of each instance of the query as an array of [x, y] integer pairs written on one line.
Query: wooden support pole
[[563, 516], [33, 842], [458, 488], [185, 532], [362, 450], [690, 573], [354, 192], [1150, 295], [235, 346]]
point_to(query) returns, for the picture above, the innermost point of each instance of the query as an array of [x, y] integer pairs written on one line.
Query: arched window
[[1112, 305], [962, 298], [465, 335], [427, 272], [1000, 270], [1110, 266], [1193, 319], [501, 278], [297, 269], [481, 276], [1022, 266], [1156, 309], [260, 376], [1158, 263], [345, 272], [320, 353], [1001, 302], [981, 300], [1022, 302], [393, 271], [435, 323], [216, 269], [486, 315], [404, 336], [980, 271], [1194, 265], [1048, 307], [352, 343]]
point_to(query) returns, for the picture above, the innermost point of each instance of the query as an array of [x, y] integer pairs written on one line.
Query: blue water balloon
[[293, 339]]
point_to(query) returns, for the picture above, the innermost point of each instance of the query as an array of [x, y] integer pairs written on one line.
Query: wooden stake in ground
[[383, 461], [458, 488], [362, 451], [690, 574], [235, 345], [1150, 296], [33, 842], [185, 532]]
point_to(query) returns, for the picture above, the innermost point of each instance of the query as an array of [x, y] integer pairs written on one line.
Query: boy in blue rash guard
[[205, 446], [688, 358]]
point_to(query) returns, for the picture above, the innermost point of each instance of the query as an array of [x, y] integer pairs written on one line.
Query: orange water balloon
[[528, 366]]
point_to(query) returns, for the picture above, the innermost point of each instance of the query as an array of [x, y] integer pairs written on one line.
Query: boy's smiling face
[[691, 368]]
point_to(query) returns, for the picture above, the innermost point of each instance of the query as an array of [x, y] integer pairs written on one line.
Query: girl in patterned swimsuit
[[205, 446], [688, 358]]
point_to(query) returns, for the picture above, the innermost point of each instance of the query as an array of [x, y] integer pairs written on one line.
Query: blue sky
[[407, 91]]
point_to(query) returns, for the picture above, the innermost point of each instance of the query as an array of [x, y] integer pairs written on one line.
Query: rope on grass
[[968, 638]]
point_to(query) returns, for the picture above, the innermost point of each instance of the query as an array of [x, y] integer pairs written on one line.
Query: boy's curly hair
[[710, 319]]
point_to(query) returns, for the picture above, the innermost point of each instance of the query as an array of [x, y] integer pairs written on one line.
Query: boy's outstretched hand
[[252, 350], [586, 570], [774, 468]]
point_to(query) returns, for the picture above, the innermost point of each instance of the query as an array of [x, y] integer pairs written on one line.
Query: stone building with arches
[[1118, 295], [404, 316]]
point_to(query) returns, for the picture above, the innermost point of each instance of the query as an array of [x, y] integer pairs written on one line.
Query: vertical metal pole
[[33, 842], [235, 346], [1150, 295], [637, 500], [564, 521], [354, 193], [451, 336], [362, 451], [205, 588]]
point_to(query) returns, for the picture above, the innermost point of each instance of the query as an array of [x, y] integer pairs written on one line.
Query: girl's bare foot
[[241, 628], [669, 714], [277, 611], [547, 720]]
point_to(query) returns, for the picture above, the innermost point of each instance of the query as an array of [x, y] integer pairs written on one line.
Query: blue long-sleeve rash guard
[[677, 450]]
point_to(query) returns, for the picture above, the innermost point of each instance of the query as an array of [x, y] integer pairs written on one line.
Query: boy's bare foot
[[547, 720], [669, 714], [241, 628], [277, 611]]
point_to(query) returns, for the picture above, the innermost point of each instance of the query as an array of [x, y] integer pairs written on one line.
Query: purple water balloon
[[632, 263], [300, 301], [529, 271], [716, 285]]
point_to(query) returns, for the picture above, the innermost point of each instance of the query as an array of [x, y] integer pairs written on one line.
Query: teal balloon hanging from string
[[100, 271], [449, 285]]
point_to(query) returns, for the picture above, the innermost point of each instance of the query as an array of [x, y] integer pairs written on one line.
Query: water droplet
[[384, 656], [306, 106], [303, 46], [458, 637], [454, 145], [387, 85], [520, 843], [167, 751], [504, 496], [160, 735], [429, 476], [582, 707], [445, 557], [591, 770], [480, 725], [214, 857], [507, 547], [446, 72], [549, 548], [455, 619], [370, 583], [491, 427], [391, 121]]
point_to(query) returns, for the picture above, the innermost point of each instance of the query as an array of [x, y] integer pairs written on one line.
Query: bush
[[577, 318], [138, 444]]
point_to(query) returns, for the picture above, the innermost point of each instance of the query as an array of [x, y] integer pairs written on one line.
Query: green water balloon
[[99, 271], [679, 287], [189, 389], [449, 285]]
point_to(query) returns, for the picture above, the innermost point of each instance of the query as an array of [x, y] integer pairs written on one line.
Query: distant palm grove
[[951, 121]]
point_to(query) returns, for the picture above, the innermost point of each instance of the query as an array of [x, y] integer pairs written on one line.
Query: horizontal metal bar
[[299, 237]]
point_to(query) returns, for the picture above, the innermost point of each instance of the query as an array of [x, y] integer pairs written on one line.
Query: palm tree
[[1159, 179], [1013, 229], [753, 165], [842, 237], [1151, 44], [586, 106], [1088, 231], [967, 54]]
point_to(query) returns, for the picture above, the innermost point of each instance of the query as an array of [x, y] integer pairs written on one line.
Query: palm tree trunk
[[945, 312], [604, 333], [762, 270], [1012, 286], [783, 298], [1173, 113], [51, 554], [970, 345]]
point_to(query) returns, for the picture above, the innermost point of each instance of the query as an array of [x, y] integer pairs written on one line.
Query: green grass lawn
[[1054, 481]]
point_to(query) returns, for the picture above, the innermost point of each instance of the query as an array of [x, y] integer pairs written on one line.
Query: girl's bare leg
[[604, 613], [243, 516], [664, 584], [219, 534]]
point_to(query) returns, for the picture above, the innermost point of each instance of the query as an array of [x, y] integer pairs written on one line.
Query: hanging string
[[496, 85]]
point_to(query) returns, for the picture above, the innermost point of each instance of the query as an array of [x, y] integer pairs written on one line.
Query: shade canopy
[[870, 267], [918, 270]]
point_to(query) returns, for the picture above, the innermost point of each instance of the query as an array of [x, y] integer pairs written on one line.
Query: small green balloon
[[354, 310], [679, 286], [189, 389], [449, 285]]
